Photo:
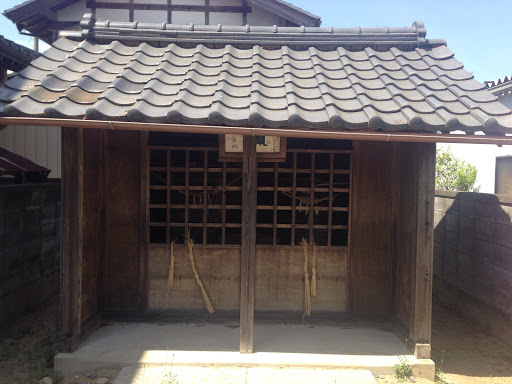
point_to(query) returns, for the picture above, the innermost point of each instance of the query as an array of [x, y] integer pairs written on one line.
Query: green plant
[[454, 174], [440, 379], [48, 356], [402, 370], [57, 377], [170, 378]]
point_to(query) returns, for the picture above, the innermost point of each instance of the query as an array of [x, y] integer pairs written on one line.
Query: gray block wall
[[29, 246], [473, 256]]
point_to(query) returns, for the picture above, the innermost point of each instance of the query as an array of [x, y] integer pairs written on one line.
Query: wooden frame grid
[[299, 199]]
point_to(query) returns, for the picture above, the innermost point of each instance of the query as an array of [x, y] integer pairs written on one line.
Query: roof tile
[[424, 89]]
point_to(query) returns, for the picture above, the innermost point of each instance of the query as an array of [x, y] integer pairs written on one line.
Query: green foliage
[[439, 378], [402, 371], [454, 174]]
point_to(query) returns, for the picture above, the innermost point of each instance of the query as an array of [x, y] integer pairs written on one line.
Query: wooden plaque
[[268, 148]]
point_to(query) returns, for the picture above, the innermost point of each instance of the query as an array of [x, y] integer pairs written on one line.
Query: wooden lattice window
[[305, 196]]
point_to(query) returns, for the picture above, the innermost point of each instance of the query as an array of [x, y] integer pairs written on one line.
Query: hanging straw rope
[[307, 289], [170, 278], [313, 272], [190, 246]]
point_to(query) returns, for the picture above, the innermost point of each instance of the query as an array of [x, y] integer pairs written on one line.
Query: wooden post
[[72, 236], [422, 289], [248, 252]]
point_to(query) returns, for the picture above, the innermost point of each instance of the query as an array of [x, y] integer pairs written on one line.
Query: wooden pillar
[[72, 235], [3, 77], [421, 324], [248, 252]]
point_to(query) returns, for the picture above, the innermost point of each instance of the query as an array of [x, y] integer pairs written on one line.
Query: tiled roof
[[14, 164], [302, 37], [250, 84], [14, 56], [493, 84], [33, 15]]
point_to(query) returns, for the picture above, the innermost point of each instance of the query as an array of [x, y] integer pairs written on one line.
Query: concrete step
[[172, 374]]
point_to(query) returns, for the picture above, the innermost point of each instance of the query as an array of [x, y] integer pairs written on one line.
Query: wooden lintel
[[72, 236], [422, 289], [169, 7], [248, 251]]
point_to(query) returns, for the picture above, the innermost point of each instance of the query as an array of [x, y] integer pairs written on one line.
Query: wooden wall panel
[[123, 213], [218, 268], [92, 223], [371, 228], [279, 279]]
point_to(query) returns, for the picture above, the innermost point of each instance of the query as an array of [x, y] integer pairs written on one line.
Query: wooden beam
[[248, 251], [422, 289], [169, 7], [72, 236]]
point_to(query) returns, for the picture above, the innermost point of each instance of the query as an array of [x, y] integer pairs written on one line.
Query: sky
[[478, 32]]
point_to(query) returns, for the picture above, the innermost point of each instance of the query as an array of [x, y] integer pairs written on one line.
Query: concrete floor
[[237, 375], [215, 345]]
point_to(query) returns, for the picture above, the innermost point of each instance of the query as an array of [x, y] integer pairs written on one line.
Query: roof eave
[[404, 137]]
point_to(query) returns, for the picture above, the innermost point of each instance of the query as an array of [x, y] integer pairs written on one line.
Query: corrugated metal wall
[[39, 144]]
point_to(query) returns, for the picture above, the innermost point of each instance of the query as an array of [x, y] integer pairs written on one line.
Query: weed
[[8, 351], [46, 341], [402, 370], [48, 356], [440, 379], [57, 377], [170, 378]]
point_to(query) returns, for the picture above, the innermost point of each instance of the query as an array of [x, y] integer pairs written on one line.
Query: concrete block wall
[[473, 257], [29, 246]]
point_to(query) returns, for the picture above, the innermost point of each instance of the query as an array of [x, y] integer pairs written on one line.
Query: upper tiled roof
[[302, 37], [38, 16], [14, 56], [491, 85], [304, 85]]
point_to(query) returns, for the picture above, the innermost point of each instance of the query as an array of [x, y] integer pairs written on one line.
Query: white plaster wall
[[226, 18], [150, 16], [259, 16], [113, 14], [181, 17], [42, 145], [73, 12]]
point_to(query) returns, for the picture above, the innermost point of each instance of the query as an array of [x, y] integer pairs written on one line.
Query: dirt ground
[[462, 352]]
